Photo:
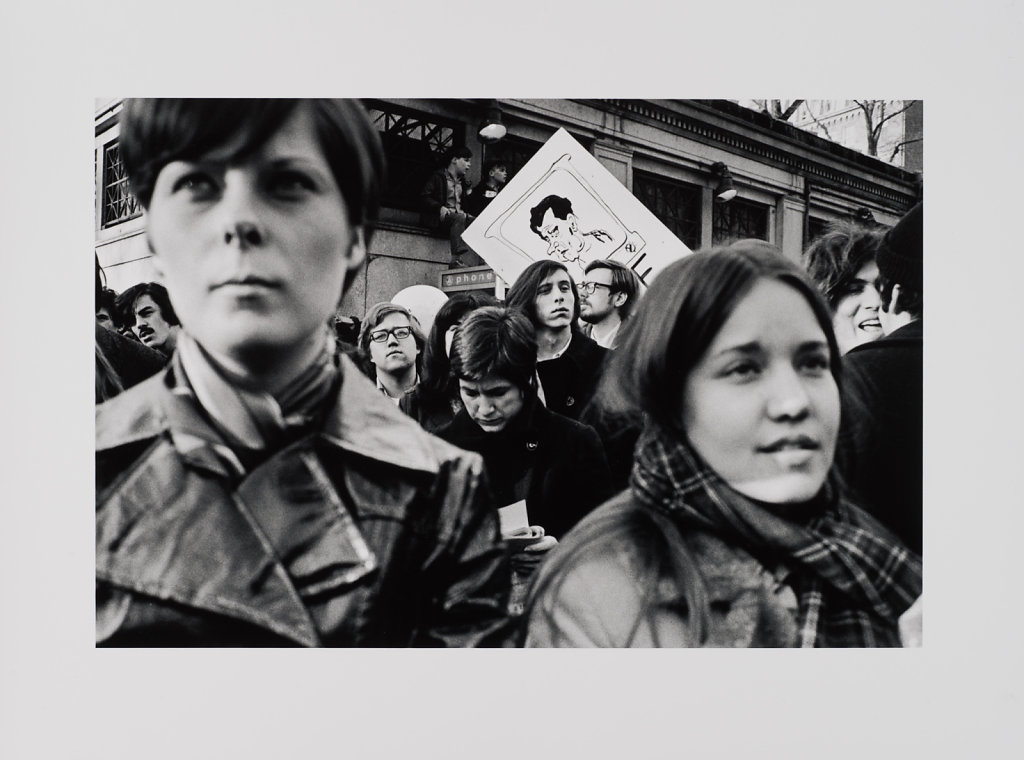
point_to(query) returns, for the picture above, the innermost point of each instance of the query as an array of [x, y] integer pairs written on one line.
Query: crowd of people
[[730, 457]]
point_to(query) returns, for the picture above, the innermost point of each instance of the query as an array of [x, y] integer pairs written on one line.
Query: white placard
[[606, 221]]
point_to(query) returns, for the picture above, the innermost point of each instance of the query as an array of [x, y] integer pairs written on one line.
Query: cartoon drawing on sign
[[564, 205], [559, 227]]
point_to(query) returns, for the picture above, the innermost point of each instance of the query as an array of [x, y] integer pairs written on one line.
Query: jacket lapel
[[169, 532]]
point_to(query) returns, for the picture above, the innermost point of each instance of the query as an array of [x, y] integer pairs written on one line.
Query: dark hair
[[495, 341], [108, 382], [560, 207], [127, 300], [458, 151], [436, 376], [657, 554], [373, 317], [494, 163], [679, 317], [911, 301], [834, 259], [523, 293], [157, 131], [624, 280], [108, 300]]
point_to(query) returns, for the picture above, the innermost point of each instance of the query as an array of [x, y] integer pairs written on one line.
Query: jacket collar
[[361, 421]]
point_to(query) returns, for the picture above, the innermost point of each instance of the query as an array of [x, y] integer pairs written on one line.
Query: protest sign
[[566, 206]]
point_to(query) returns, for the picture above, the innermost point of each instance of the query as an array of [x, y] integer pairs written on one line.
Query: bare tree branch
[[791, 110], [899, 145], [818, 124]]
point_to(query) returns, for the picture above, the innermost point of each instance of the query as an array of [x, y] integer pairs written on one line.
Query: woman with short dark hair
[[260, 491], [554, 466]]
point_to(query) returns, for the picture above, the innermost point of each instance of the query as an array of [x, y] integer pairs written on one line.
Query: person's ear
[[357, 251], [894, 302], [574, 223], [618, 300]]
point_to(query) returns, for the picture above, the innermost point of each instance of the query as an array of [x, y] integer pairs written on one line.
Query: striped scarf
[[216, 418], [851, 577]]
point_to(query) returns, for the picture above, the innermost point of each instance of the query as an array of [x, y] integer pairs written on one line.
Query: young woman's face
[[254, 253], [856, 317], [761, 407], [554, 302], [492, 403]]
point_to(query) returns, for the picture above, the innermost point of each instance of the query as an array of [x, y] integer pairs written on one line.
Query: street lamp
[[724, 190]]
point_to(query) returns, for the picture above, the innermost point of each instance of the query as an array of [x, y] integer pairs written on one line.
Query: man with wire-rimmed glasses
[[607, 297]]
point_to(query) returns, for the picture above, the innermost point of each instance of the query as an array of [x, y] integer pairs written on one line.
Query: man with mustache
[[147, 309]]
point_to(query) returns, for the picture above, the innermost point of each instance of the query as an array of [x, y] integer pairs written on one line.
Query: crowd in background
[[730, 455]]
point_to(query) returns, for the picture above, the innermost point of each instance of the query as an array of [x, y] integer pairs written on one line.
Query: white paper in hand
[[513, 519]]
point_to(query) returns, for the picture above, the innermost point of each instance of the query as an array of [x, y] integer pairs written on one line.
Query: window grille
[[676, 204], [738, 219], [414, 146], [514, 151], [119, 205]]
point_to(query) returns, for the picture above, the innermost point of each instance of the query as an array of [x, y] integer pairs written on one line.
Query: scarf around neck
[[244, 420], [851, 577]]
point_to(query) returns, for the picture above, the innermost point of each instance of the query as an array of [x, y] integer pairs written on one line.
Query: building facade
[[790, 182]]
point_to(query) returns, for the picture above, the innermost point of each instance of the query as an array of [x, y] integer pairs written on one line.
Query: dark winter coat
[[132, 361], [558, 465], [570, 380], [881, 439]]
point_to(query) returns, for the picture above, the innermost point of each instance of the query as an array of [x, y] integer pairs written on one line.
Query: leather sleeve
[[474, 574]]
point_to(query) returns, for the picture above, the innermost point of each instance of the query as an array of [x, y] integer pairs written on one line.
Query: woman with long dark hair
[[435, 401], [734, 530]]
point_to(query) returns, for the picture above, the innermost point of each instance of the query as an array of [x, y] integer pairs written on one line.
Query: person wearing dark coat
[[495, 174], [568, 362], [132, 361], [553, 466], [881, 440], [442, 208], [556, 464], [260, 491]]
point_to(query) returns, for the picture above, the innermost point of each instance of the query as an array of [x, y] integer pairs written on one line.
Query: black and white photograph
[[537, 360]]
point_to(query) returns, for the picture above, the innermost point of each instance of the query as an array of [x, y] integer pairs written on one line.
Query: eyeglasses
[[590, 287], [401, 333]]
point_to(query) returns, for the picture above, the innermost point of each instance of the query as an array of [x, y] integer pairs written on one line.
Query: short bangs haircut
[[834, 259], [684, 309], [157, 131], [523, 293], [495, 342]]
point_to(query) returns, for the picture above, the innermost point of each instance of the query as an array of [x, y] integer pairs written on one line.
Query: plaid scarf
[[215, 418], [851, 577]]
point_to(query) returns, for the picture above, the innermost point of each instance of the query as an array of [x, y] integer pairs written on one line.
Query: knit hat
[[900, 256]]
